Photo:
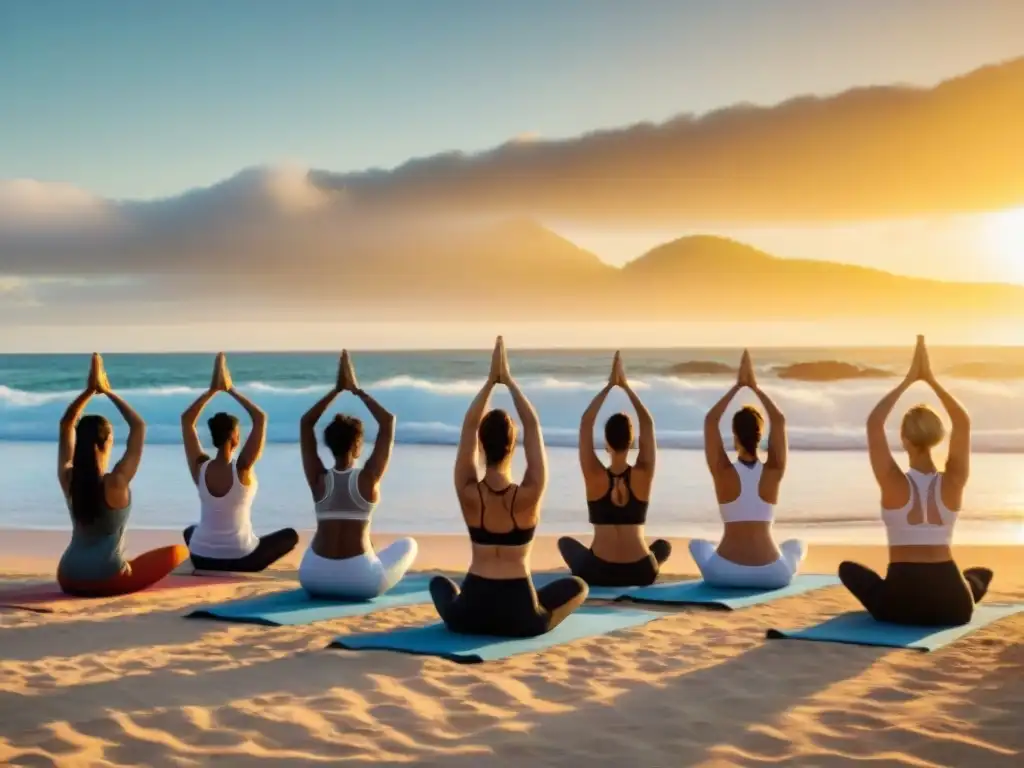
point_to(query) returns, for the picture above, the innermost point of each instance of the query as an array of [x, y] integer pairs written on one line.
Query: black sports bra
[[517, 537], [604, 511]]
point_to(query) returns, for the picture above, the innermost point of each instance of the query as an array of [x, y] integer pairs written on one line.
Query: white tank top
[[748, 507], [225, 522], [342, 499], [924, 520]]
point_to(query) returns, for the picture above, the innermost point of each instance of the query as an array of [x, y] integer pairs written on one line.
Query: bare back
[[501, 512], [618, 542]]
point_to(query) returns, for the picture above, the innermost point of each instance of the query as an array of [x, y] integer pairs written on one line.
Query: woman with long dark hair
[[497, 596], [94, 564], [747, 491], [920, 507]]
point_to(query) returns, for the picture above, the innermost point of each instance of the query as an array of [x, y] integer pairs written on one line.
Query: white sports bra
[[748, 507], [924, 520], [342, 500]]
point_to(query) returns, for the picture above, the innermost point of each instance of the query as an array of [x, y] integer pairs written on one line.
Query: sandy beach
[[128, 681]]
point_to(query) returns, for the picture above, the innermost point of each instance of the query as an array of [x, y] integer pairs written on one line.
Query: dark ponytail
[[91, 432], [748, 427]]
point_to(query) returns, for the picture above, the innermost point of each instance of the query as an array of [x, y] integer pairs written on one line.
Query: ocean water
[[828, 494]]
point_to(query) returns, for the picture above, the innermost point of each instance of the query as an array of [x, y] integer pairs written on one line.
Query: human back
[[501, 514], [747, 487], [618, 493], [920, 506], [341, 562], [923, 584], [226, 484], [99, 499], [497, 596]]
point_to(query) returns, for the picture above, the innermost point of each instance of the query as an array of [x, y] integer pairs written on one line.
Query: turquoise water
[[828, 494]]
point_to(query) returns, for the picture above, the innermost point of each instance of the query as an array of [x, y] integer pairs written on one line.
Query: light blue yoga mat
[[436, 640], [543, 578], [697, 592], [281, 609], [860, 629]]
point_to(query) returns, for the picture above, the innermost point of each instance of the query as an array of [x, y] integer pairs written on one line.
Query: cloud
[[867, 153]]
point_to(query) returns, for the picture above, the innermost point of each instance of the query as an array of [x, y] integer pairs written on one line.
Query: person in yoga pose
[[497, 596], [747, 491], [617, 497], [224, 540], [100, 502], [923, 585], [340, 562]]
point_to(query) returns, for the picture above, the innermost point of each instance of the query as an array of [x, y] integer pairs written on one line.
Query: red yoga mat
[[32, 597]]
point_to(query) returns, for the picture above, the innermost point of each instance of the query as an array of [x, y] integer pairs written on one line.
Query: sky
[[131, 101]]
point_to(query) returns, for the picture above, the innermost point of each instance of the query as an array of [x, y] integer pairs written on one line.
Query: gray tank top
[[342, 500], [96, 551]]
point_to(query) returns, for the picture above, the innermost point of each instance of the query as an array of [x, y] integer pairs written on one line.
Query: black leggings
[[271, 548], [505, 607], [600, 573], [920, 594]]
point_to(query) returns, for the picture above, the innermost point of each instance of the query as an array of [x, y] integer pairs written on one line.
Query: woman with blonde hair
[[923, 585]]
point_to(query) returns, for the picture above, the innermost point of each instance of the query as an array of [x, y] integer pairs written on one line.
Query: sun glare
[[1004, 233]]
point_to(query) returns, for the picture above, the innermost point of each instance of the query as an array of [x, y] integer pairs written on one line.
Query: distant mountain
[[520, 270], [711, 276]]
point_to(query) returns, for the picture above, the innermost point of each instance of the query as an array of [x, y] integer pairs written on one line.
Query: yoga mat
[[697, 592], [860, 629], [436, 640], [543, 578], [35, 597], [285, 609]]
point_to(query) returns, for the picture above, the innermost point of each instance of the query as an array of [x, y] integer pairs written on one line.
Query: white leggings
[[719, 572], [357, 578]]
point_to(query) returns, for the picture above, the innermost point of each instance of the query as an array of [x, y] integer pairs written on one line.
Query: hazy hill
[[711, 276], [518, 269]]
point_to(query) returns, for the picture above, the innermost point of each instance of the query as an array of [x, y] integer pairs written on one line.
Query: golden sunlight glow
[[1004, 235]]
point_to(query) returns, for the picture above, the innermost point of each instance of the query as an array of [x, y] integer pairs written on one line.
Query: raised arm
[[253, 448], [778, 441], [536, 476], [589, 462], [66, 439], [377, 464], [466, 454], [312, 466], [648, 444], [714, 450], [195, 455], [958, 461], [882, 462], [124, 471]]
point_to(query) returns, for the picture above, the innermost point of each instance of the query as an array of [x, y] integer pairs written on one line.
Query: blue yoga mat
[[543, 578], [280, 609], [860, 629], [697, 592], [436, 640]]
